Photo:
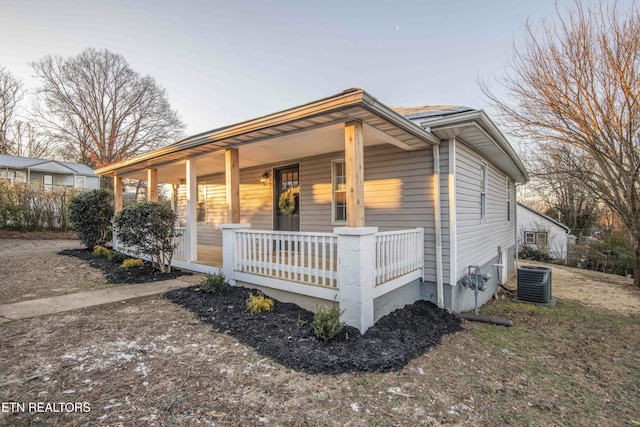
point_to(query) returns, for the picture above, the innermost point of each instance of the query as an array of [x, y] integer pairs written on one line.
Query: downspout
[[438, 224]]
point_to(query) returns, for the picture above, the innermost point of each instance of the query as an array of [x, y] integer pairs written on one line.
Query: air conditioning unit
[[534, 284]]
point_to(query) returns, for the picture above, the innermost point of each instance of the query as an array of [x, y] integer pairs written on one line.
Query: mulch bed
[[285, 334], [115, 274]]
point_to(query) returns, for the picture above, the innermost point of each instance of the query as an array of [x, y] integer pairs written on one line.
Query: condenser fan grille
[[534, 284]]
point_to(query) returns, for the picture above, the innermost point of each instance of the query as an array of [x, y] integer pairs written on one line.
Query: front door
[[284, 179]]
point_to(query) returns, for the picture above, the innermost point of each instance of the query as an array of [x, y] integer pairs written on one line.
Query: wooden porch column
[[152, 185], [191, 250], [354, 170], [117, 194], [232, 171]]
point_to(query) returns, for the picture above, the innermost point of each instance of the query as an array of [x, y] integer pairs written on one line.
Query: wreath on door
[[287, 202]]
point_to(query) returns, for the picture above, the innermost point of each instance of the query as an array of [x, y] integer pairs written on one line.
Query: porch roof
[[381, 123]]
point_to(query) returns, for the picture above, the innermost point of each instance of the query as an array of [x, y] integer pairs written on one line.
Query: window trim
[[83, 179], [44, 181], [484, 177], [532, 237], [334, 221], [508, 185]]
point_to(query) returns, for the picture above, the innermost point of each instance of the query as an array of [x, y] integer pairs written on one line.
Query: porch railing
[[301, 257], [179, 253], [398, 253]]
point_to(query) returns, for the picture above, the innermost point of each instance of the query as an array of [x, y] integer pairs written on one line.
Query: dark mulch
[[115, 274], [285, 334]]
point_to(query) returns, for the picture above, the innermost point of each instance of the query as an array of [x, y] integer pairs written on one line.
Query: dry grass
[[149, 362], [32, 269]]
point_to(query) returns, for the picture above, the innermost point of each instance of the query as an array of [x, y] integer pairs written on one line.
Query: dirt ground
[[151, 362], [32, 269]]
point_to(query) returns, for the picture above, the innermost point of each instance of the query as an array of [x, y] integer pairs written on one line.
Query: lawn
[[152, 362]]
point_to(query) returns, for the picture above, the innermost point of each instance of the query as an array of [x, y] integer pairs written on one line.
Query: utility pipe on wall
[[438, 224]]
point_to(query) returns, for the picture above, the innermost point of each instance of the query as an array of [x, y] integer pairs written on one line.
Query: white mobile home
[[345, 201]]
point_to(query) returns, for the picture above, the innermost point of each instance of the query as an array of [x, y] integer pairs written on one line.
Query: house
[[542, 232], [48, 173], [344, 201]]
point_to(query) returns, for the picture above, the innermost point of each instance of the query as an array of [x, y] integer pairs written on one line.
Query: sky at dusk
[[225, 62]]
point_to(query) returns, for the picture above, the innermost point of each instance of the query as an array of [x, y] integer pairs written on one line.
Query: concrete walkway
[[59, 304]]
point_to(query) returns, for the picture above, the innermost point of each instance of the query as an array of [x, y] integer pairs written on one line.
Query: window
[[483, 192], [508, 185], [47, 180], [80, 182], [339, 190], [201, 203], [535, 238]]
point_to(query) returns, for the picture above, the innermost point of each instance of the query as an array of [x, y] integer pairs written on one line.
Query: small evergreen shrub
[[90, 215], [534, 253], [214, 283], [256, 304], [326, 323], [132, 263], [148, 228], [101, 252], [117, 257]]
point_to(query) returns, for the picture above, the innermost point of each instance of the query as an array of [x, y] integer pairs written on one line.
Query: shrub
[[29, 207], [101, 252], [534, 253], [132, 263], [326, 323], [148, 228], [90, 215], [214, 283], [256, 304], [117, 257]]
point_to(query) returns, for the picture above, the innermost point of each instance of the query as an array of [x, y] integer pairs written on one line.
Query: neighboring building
[[542, 232], [48, 173], [390, 205]]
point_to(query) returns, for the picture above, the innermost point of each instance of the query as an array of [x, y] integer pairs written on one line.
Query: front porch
[[322, 248], [351, 267]]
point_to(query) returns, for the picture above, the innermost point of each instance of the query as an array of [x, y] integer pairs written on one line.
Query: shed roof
[[548, 218]]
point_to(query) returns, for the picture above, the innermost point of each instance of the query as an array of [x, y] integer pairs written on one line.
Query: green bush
[[90, 214], [101, 252], [534, 254], [256, 304], [214, 283], [148, 228], [29, 207], [117, 257], [327, 324], [132, 263]]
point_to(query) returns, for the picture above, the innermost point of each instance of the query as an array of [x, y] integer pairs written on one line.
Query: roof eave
[[480, 118], [343, 100]]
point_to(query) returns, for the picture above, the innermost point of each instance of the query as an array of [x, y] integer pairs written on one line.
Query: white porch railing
[[398, 253], [179, 253], [300, 257]]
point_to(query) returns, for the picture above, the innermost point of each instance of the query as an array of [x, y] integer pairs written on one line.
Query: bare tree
[[563, 196], [11, 94], [28, 141], [101, 110], [574, 86]]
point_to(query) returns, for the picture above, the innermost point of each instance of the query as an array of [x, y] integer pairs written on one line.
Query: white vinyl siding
[[477, 242], [483, 192], [398, 195]]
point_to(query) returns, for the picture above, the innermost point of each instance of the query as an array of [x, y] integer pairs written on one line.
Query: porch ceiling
[[278, 150], [303, 131]]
